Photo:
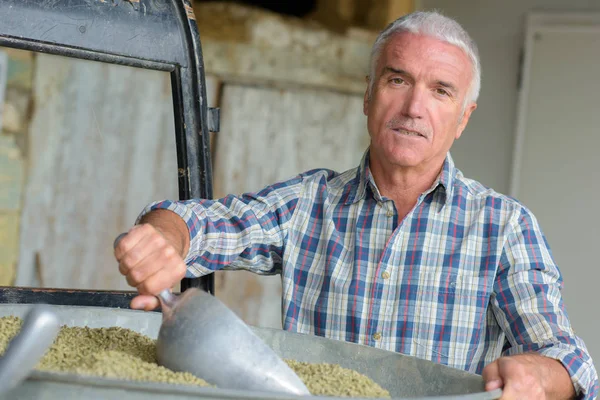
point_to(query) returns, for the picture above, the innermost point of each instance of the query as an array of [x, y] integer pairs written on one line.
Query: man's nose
[[414, 103]]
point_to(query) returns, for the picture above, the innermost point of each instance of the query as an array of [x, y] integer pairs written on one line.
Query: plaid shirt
[[464, 278]]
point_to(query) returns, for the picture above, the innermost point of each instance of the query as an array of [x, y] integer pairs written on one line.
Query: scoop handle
[[118, 239], [38, 332], [167, 298]]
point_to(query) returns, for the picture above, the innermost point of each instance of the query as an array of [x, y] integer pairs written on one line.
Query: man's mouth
[[407, 132]]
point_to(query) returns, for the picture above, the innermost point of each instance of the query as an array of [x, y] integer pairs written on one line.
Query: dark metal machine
[[152, 34]]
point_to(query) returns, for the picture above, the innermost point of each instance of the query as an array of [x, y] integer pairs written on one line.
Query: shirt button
[[390, 214], [377, 336], [385, 275]]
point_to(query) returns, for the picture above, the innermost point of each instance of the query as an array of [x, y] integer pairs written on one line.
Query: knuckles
[[136, 276], [130, 259], [157, 241], [169, 253], [148, 261], [145, 229], [523, 380]]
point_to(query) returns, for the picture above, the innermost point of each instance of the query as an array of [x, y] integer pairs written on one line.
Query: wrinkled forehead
[[410, 51]]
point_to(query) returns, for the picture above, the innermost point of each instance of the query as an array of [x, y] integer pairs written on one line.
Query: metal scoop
[[201, 335]]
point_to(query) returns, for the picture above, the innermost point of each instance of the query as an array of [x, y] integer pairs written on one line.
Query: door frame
[[540, 22]]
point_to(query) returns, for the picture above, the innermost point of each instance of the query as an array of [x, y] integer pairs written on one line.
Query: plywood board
[[269, 135], [102, 146]]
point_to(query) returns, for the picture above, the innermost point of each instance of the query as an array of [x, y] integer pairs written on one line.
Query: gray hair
[[434, 24]]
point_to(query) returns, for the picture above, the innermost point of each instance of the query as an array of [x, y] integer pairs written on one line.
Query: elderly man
[[402, 253]]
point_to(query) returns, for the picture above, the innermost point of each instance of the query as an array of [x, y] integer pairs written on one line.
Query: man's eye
[[442, 92], [397, 81]]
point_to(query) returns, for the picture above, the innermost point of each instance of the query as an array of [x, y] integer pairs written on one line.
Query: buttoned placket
[[389, 271], [383, 275]]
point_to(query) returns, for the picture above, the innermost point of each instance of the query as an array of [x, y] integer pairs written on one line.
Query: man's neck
[[403, 185]]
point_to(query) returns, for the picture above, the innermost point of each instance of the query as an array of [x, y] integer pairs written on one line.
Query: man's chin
[[399, 156], [405, 158]]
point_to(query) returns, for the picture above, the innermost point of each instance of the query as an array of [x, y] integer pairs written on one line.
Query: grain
[[124, 354], [332, 380], [108, 352]]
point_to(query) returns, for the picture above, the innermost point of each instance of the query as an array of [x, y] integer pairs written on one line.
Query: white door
[[557, 159]]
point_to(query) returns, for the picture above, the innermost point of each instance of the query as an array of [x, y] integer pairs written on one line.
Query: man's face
[[415, 110]]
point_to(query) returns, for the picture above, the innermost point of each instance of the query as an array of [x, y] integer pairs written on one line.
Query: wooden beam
[[337, 15], [398, 8], [370, 14], [383, 12]]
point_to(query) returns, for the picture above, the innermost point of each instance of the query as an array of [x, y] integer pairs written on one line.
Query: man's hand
[[529, 376], [150, 263]]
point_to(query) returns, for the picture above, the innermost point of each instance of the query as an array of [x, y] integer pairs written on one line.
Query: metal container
[[403, 376]]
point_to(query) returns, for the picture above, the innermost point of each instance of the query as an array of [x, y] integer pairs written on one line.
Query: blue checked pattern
[[466, 277]]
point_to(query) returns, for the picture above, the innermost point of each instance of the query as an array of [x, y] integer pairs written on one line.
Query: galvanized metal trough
[[403, 376]]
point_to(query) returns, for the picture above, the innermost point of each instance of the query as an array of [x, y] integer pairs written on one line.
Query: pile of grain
[[124, 354], [109, 352], [332, 380]]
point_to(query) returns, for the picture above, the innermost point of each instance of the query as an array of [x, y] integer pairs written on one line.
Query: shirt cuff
[[583, 374], [193, 222]]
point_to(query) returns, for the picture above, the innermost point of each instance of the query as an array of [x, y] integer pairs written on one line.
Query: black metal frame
[[150, 34]]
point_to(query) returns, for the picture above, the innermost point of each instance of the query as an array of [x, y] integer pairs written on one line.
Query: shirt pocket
[[450, 316]]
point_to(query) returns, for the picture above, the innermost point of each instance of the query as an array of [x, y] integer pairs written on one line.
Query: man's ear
[[465, 119], [367, 97]]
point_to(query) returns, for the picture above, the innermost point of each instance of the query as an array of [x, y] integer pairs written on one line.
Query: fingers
[[146, 303], [518, 376], [491, 376], [137, 245], [164, 278], [127, 242], [138, 255], [156, 255], [148, 261], [511, 389]]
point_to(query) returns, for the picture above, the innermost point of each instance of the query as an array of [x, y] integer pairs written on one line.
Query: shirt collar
[[363, 182]]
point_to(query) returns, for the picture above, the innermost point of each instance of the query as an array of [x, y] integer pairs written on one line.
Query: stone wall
[[252, 46]]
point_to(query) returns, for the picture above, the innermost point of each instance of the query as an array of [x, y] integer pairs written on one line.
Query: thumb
[[491, 376], [144, 302]]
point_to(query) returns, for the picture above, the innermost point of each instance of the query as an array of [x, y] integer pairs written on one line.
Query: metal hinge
[[214, 119]]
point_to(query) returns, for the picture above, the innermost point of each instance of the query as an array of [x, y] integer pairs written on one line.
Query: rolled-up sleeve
[[237, 232], [528, 304]]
